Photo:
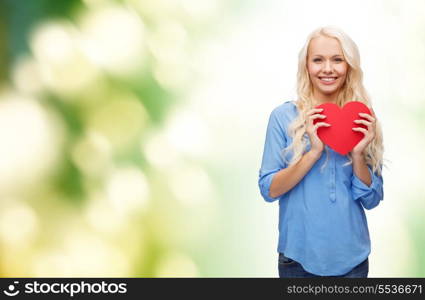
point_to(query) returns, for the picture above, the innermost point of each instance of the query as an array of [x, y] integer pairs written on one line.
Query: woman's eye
[[336, 59]]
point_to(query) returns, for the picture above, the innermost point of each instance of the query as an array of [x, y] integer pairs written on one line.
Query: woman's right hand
[[317, 145]]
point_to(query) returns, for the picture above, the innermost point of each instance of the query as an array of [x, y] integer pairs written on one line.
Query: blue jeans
[[289, 268]]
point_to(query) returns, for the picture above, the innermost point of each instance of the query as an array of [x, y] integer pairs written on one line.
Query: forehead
[[324, 46]]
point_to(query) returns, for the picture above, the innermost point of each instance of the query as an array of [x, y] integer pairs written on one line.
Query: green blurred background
[[131, 132]]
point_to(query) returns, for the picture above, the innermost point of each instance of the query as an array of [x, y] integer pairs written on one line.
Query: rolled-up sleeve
[[369, 196], [272, 161]]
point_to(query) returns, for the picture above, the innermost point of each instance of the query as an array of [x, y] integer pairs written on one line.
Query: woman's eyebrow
[[320, 55]]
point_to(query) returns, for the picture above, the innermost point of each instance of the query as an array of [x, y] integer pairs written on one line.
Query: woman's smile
[[328, 80]]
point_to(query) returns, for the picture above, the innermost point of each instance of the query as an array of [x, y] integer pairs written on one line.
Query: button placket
[[332, 195]]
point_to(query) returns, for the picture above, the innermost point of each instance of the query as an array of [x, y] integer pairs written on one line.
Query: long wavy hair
[[351, 90]]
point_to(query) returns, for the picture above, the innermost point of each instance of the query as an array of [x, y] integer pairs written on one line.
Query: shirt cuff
[[360, 188], [265, 188]]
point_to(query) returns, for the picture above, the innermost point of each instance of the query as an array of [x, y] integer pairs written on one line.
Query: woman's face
[[327, 67]]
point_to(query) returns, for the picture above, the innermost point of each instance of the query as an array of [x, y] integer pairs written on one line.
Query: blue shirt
[[322, 223]]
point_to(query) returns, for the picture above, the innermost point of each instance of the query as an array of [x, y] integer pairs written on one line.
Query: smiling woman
[[326, 67], [330, 42], [322, 224]]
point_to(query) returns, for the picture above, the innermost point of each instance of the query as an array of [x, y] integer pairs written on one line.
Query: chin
[[329, 92]]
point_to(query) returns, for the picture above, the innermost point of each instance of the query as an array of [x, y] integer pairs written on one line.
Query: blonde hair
[[351, 90]]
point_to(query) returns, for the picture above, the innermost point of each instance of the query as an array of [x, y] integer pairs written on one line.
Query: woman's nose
[[328, 66]]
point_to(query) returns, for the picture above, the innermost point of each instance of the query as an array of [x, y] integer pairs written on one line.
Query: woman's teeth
[[327, 78]]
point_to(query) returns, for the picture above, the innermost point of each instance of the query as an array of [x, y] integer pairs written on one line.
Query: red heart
[[340, 136]]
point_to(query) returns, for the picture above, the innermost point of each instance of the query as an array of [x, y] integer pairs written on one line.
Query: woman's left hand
[[369, 133]]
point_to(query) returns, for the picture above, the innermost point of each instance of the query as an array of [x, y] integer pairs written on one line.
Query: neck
[[317, 100]]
